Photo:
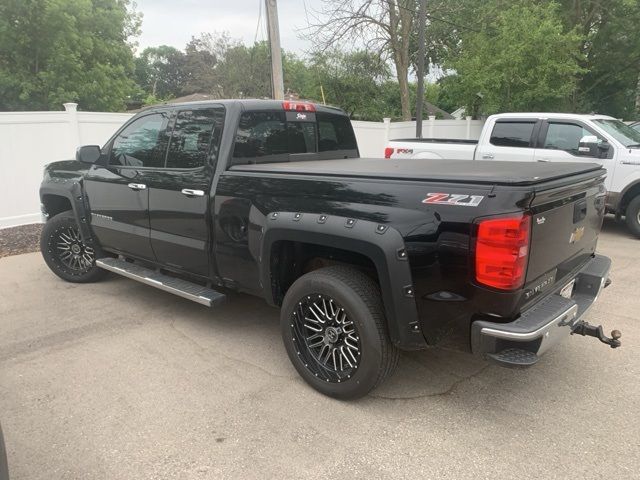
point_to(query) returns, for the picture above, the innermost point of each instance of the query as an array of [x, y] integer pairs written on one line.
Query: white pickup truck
[[550, 137]]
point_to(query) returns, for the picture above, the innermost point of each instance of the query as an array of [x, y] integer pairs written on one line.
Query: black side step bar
[[190, 291]]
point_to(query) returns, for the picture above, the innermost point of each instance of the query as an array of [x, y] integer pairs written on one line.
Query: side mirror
[[88, 153], [592, 146]]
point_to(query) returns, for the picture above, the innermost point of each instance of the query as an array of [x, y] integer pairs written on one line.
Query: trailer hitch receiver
[[586, 329]]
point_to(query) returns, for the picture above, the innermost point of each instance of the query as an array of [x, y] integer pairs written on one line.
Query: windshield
[[621, 132]]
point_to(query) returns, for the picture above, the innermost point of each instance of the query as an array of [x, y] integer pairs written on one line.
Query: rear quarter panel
[[437, 236]]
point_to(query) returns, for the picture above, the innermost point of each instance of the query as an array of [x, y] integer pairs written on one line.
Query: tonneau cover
[[451, 171]]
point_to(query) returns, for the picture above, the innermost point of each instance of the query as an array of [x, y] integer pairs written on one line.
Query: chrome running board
[[177, 286]]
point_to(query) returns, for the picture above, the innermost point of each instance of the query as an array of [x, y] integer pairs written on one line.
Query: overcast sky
[[174, 22]]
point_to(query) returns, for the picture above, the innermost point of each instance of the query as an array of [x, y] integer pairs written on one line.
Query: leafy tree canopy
[[521, 59], [56, 51]]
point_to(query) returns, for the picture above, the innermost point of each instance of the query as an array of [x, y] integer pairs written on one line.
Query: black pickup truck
[[364, 257]]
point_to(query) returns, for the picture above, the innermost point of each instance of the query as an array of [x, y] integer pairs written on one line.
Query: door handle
[[487, 156], [192, 193], [137, 186], [543, 159]]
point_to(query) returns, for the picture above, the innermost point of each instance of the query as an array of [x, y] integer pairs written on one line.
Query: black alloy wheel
[[334, 329], [328, 340], [66, 253], [71, 251]]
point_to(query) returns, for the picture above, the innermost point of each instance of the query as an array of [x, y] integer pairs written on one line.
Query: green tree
[[351, 80], [520, 59], [159, 71], [245, 72], [610, 51], [55, 51]]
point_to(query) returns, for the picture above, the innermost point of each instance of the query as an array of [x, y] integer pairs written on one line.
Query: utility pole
[[276, 52], [422, 20]]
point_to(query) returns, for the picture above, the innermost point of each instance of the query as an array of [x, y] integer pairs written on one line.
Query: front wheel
[[334, 330], [632, 216], [65, 252]]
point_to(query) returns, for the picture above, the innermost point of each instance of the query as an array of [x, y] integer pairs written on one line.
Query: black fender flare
[[381, 243], [71, 189]]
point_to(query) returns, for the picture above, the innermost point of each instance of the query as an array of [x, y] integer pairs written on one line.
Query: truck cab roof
[[250, 104]]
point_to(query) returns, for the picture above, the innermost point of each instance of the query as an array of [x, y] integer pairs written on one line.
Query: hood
[[66, 169]]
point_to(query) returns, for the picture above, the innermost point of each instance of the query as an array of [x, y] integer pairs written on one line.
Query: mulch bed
[[22, 239]]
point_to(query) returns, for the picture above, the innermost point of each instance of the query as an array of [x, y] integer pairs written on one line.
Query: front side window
[[143, 143], [512, 134], [565, 136], [261, 134], [335, 133], [194, 134]]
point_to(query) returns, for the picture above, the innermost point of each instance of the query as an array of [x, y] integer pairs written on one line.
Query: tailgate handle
[[579, 211]]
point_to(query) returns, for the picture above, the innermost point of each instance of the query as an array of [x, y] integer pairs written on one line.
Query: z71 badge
[[453, 199]]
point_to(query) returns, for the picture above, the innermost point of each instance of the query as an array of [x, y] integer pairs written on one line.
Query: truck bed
[[458, 171]]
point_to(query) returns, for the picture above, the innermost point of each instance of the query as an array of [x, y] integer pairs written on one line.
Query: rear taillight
[[298, 106], [502, 250], [388, 152]]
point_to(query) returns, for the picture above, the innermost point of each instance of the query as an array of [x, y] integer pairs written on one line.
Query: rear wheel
[[333, 327], [65, 252], [632, 216]]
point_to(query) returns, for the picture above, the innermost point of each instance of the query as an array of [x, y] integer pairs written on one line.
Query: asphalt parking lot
[[117, 380]]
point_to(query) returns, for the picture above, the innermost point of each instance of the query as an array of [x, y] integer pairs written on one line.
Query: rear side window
[[193, 137], [261, 134], [278, 136], [512, 134], [335, 133]]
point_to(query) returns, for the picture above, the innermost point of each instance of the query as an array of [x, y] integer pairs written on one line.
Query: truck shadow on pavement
[[610, 225], [246, 324]]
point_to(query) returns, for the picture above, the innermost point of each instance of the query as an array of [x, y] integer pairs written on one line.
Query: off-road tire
[[358, 296], [62, 229]]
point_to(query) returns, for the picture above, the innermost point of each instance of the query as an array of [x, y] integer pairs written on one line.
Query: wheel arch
[[69, 196], [380, 244], [629, 193], [55, 203]]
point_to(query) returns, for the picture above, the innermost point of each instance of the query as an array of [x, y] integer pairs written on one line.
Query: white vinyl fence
[[30, 140], [373, 136]]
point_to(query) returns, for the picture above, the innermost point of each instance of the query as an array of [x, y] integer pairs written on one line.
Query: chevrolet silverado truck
[[550, 137], [364, 257]]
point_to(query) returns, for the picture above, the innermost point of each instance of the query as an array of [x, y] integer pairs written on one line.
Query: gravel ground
[[18, 240]]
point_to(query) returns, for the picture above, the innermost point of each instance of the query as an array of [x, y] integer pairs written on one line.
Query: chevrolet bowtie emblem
[[576, 235]]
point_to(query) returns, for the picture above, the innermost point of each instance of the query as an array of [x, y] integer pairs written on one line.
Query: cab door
[[179, 193], [116, 189], [510, 140], [560, 141]]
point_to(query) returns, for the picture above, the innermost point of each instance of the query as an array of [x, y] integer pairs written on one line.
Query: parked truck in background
[[364, 257], [550, 137]]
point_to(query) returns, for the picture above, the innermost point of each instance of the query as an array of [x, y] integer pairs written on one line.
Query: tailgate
[[565, 225]]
